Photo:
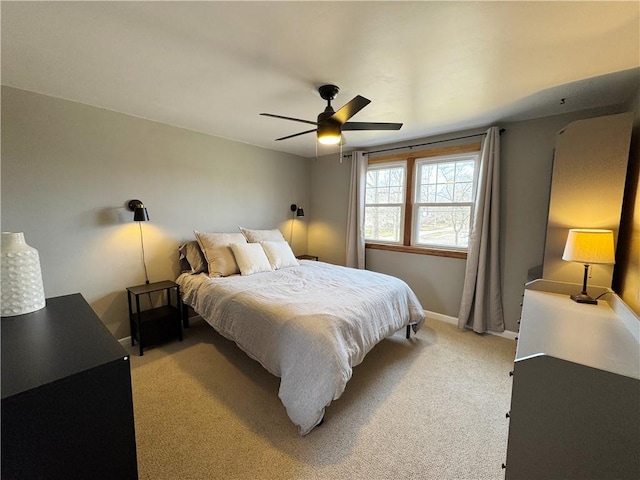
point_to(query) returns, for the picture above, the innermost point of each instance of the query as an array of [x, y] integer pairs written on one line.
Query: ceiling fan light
[[329, 134], [329, 139]]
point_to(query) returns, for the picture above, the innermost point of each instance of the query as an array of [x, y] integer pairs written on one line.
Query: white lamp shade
[[589, 246]]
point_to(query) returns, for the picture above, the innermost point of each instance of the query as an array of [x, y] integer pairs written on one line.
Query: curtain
[[355, 215], [481, 305]]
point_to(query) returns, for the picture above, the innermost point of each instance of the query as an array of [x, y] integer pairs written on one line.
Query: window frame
[[410, 178]]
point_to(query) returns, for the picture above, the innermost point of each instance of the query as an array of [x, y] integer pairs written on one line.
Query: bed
[[308, 323]]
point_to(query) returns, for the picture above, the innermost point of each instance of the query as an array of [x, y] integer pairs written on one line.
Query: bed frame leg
[[408, 331], [185, 316]]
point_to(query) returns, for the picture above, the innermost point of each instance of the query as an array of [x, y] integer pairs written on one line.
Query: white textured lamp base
[[21, 289]]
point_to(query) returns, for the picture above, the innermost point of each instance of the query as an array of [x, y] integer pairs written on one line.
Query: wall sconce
[[589, 246], [299, 211], [140, 215]]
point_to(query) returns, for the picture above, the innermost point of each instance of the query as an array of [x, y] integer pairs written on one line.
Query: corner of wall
[[626, 281]]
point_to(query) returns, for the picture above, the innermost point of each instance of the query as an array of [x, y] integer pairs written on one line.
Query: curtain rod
[[348, 155]]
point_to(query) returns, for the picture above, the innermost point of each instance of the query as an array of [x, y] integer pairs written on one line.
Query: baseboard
[[454, 321]]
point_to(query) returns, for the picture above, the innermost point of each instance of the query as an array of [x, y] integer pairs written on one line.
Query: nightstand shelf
[[159, 324], [307, 257]]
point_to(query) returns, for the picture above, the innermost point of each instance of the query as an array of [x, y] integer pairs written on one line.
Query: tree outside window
[[444, 201]]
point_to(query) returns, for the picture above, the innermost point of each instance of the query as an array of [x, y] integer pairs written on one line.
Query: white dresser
[[575, 405]]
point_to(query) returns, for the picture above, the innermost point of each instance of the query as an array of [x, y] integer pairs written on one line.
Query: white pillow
[[215, 247], [256, 236], [251, 258], [279, 254]]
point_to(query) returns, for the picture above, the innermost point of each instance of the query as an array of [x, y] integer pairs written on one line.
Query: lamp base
[[583, 298]]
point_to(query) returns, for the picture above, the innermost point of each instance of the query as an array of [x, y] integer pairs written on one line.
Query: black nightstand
[[156, 325], [307, 257]]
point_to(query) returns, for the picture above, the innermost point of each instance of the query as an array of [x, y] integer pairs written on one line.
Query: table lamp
[[588, 246]]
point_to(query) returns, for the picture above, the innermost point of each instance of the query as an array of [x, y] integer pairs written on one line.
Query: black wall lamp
[[140, 213], [299, 211]]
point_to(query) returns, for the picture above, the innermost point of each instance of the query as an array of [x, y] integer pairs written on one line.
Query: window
[[443, 203], [422, 203], [384, 203]]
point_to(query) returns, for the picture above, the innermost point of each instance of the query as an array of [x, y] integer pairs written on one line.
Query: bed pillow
[[215, 246], [191, 254], [279, 254], [257, 236], [251, 258]]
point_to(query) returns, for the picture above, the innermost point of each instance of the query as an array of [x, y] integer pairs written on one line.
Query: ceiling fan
[[331, 124]]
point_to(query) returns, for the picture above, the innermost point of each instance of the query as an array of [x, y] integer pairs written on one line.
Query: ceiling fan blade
[[371, 126], [348, 110], [297, 134], [289, 118]]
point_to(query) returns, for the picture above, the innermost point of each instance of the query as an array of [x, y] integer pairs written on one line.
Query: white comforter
[[308, 325]]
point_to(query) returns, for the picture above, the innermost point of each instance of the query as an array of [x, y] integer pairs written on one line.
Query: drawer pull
[[511, 373]]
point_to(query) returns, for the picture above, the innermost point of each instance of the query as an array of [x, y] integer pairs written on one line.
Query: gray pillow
[[191, 258]]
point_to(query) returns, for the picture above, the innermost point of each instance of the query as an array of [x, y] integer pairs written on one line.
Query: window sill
[[418, 250]]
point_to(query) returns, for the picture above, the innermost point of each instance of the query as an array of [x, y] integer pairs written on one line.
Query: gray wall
[[527, 157], [330, 179], [68, 171]]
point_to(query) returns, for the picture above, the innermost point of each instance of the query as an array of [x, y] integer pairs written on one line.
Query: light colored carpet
[[432, 407]]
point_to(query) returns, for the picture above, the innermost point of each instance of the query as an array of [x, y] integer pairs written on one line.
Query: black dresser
[[67, 409]]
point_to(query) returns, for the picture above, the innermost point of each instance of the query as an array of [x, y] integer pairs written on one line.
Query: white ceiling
[[214, 66]]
